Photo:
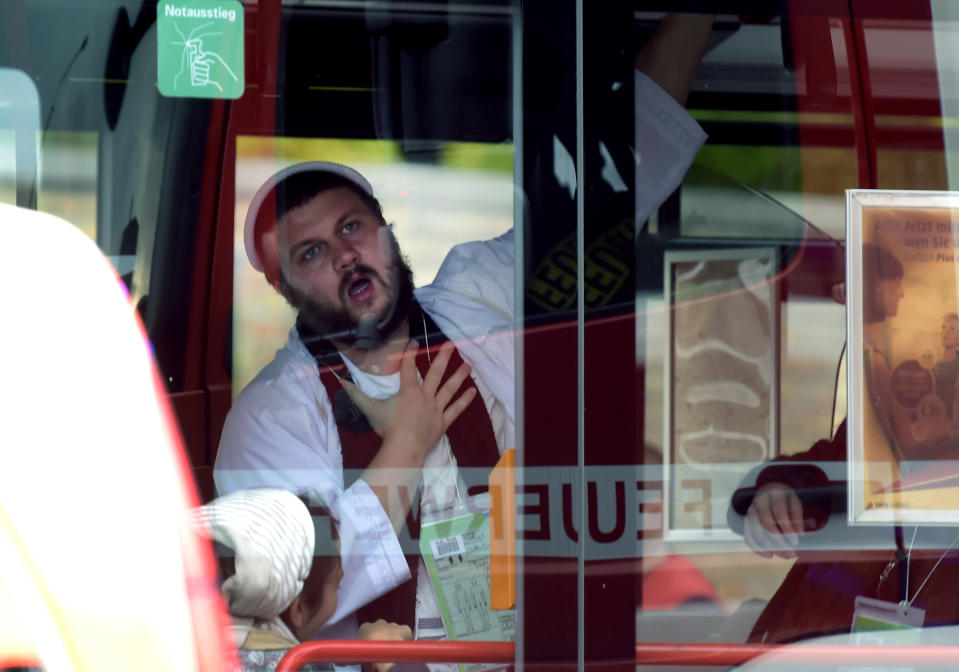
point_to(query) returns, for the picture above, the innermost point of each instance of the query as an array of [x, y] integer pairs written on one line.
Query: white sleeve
[[484, 271], [667, 140], [472, 300], [272, 439]]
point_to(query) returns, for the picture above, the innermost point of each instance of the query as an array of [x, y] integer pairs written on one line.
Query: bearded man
[[369, 400], [361, 402]]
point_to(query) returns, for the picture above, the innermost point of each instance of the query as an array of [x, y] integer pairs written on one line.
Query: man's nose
[[345, 256]]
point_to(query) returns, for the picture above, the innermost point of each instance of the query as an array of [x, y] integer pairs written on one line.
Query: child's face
[[949, 332], [327, 604]]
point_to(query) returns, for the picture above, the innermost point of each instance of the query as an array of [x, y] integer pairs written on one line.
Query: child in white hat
[[279, 586]]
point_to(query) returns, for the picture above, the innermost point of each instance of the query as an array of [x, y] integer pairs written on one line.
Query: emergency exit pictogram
[[200, 48]]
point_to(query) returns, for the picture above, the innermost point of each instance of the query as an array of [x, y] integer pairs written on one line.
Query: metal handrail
[[647, 653], [910, 655], [359, 651]]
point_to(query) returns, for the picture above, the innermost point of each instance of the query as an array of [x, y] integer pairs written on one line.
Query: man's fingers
[[796, 512], [749, 526], [363, 402], [377, 411], [431, 381], [408, 365], [356, 394], [452, 384], [761, 518], [782, 517], [773, 526], [774, 521], [458, 406], [765, 542]]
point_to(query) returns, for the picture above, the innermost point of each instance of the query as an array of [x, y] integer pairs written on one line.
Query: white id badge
[[874, 622]]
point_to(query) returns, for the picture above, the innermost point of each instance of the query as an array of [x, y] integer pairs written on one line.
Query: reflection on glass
[[68, 183], [8, 168]]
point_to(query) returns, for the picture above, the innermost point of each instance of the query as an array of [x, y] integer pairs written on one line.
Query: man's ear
[[274, 281], [270, 257]]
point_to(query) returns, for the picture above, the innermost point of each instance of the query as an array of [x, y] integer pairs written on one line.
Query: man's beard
[[334, 322]]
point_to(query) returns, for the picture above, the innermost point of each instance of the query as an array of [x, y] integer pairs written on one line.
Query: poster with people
[[903, 335]]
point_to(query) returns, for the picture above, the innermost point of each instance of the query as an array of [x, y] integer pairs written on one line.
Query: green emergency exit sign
[[200, 48]]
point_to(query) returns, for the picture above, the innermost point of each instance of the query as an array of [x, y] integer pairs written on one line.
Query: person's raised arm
[[671, 56]]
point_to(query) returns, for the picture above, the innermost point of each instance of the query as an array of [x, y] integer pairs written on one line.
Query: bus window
[[638, 214]]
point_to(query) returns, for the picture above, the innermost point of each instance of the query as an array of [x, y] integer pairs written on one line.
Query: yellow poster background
[[926, 242]]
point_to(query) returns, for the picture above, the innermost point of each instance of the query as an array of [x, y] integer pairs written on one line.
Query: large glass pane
[[741, 329], [663, 337]]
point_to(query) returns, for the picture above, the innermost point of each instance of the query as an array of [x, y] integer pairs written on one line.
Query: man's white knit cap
[[249, 224], [271, 531]]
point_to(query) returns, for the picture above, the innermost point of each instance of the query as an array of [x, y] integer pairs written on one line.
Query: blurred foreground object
[[99, 569]]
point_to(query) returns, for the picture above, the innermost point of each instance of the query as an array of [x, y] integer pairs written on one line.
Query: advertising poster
[[903, 334]]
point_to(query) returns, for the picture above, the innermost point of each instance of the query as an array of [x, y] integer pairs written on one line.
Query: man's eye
[[311, 253], [349, 227]]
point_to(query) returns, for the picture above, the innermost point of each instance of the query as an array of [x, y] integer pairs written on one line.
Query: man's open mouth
[[360, 289]]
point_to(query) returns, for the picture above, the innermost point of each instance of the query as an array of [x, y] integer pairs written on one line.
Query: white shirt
[[281, 432]]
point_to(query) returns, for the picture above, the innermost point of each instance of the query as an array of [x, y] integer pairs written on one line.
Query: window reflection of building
[[723, 374]]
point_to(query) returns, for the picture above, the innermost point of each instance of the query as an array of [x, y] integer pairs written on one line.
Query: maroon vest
[[471, 440]]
